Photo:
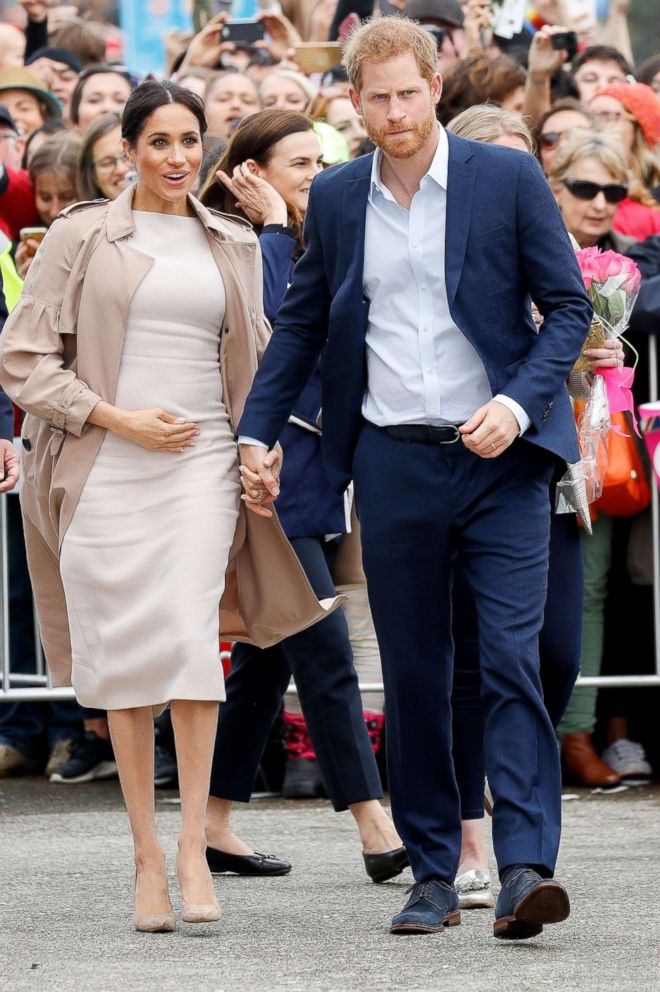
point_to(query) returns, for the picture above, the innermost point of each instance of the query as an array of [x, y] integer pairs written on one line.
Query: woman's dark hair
[[49, 128], [255, 137], [85, 75], [563, 86], [648, 70], [148, 97], [478, 79], [88, 188], [58, 154], [557, 108]]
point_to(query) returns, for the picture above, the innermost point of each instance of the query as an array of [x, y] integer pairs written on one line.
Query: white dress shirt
[[420, 368]]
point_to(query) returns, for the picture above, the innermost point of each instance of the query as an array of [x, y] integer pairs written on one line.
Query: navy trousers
[[321, 661], [419, 505], [560, 645]]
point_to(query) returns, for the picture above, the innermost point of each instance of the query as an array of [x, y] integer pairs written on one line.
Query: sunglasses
[[585, 190], [550, 139]]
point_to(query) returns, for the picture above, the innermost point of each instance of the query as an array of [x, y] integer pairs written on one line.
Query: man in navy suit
[[450, 413]]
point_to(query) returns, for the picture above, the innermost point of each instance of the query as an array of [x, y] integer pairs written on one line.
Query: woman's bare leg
[[218, 828], [195, 723], [473, 846], [132, 733], [377, 832]]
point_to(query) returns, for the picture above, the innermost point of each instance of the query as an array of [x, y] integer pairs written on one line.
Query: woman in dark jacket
[[266, 173]]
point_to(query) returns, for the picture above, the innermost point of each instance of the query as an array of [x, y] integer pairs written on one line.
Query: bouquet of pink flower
[[612, 281]]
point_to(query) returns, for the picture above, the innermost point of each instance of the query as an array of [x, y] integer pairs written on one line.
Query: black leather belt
[[447, 434]]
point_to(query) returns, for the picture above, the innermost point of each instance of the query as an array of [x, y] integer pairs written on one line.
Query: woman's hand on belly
[[154, 430]]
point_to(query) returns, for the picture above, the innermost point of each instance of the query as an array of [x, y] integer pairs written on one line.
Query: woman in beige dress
[[121, 350]]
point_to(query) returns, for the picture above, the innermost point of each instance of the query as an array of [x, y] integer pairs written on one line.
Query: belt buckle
[[457, 435]]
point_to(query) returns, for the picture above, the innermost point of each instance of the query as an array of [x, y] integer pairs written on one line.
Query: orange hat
[[642, 103]]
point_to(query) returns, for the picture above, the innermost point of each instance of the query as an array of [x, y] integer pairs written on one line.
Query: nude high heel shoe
[[158, 923], [206, 912]]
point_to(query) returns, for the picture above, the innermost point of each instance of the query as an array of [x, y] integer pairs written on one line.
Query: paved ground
[[65, 868]]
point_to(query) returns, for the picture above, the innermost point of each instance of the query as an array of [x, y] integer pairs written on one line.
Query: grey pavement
[[65, 912]]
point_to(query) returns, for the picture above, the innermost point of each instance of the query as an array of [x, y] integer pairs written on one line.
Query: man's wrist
[[522, 419], [539, 77], [251, 441]]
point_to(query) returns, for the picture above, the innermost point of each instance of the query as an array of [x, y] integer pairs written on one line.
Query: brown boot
[[584, 764]]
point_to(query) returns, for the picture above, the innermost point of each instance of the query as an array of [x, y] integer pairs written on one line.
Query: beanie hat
[[642, 103], [62, 55]]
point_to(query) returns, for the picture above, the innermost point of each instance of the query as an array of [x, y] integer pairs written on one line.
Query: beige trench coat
[[60, 354]]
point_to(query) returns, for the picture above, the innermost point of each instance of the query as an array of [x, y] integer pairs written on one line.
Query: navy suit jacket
[[505, 241]]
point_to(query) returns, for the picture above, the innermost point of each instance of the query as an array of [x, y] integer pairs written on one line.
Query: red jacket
[[636, 220], [17, 207]]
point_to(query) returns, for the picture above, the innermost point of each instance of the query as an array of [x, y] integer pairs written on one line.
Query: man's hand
[[543, 59], [281, 33], [206, 48], [36, 10], [491, 430], [10, 465], [260, 473]]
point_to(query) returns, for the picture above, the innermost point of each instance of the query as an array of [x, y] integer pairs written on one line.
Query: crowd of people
[[267, 128]]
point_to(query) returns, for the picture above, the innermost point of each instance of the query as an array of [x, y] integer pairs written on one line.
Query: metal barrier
[[37, 687]]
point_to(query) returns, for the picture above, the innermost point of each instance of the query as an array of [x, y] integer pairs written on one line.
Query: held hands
[[156, 430], [491, 430], [260, 473], [9, 466], [259, 200]]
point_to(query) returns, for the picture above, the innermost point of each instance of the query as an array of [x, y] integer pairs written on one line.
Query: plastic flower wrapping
[[612, 282]]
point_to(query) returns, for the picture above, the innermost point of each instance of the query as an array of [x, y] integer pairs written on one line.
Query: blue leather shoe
[[432, 907], [527, 901]]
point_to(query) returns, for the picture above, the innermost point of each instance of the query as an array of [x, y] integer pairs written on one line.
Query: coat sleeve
[[299, 337], [553, 276], [277, 247], [32, 366]]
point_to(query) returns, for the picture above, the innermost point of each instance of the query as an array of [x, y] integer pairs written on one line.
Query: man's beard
[[404, 145]]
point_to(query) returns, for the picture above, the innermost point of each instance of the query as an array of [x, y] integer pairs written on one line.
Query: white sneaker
[[628, 759], [474, 891]]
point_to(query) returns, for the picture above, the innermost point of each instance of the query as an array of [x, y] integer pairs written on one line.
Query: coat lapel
[[461, 176], [352, 219]]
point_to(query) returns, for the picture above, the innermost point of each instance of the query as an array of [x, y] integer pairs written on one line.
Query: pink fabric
[[618, 383]]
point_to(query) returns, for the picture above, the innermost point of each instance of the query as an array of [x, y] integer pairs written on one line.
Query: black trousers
[[321, 662]]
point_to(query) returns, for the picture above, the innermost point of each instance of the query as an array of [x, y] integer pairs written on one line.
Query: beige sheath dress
[[143, 560]]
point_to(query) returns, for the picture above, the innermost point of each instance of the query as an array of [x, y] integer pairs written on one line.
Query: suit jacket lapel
[[352, 219], [461, 176]]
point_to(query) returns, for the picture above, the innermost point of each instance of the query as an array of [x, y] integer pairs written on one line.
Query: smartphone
[[32, 233], [567, 42], [314, 56], [243, 31]]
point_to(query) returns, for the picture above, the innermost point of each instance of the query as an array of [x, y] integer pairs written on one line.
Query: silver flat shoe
[[474, 891]]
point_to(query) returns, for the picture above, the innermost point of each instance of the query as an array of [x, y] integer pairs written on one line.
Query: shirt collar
[[437, 170]]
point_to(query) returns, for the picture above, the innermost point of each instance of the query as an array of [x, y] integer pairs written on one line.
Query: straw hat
[[19, 78]]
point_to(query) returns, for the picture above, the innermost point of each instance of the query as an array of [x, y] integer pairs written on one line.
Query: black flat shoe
[[262, 865], [381, 867]]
